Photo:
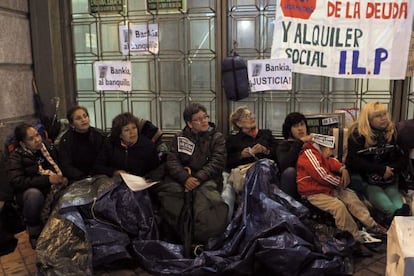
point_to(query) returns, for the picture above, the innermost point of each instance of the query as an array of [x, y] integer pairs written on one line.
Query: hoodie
[[316, 174]]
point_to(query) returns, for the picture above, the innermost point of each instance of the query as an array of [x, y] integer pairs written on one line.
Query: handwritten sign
[[344, 39], [139, 39], [113, 75], [324, 123], [269, 74], [324, 140]]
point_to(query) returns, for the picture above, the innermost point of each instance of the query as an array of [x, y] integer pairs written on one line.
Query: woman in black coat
[[32, 171], [80, 145], [295, 131], [126, 151], [249, 143]]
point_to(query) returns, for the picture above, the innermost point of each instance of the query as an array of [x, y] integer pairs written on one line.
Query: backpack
[[235, 78], [405, 135]]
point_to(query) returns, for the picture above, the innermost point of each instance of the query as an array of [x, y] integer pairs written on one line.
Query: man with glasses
[[189, 197]]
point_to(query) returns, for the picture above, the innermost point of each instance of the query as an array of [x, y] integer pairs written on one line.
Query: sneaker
[[365, 237]]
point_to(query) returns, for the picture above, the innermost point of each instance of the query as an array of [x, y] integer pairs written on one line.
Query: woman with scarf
[[374, 160], [33, 172]]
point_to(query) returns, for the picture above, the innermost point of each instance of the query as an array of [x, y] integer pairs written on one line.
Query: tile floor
[[22, 262]]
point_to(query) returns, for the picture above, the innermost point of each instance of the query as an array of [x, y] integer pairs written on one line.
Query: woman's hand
[[307, 138], [389, 172], [246, 152], [57, 179], [191, 183], [259, 148]]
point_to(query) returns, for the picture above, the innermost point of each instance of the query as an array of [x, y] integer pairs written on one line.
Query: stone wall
[[16, 73]]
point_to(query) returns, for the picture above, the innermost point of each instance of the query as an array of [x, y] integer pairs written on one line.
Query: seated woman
[[374, 160], [126, 151], [80, 145], [249, 143], [189, 196], [295, 132], [32, 171]]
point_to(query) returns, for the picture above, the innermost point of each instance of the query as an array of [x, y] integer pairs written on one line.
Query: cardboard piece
[[341, 144], [400, 247]]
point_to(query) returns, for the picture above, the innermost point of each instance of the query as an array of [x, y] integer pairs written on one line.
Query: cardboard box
[[400, 247], [341, 143]]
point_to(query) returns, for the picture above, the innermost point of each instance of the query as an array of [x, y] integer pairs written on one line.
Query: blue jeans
[[33, 201], [387, 200]]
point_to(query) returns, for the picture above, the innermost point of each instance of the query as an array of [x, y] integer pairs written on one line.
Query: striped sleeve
[[319, 171]]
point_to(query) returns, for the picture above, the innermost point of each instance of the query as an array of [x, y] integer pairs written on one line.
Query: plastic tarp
[[99, 222]]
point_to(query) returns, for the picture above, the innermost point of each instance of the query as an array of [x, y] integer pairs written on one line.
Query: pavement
[[23, 262]]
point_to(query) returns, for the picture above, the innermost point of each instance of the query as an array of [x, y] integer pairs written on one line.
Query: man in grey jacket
[[189, 197]]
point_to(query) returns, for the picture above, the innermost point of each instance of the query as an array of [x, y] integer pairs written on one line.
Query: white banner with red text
[[344, 39]]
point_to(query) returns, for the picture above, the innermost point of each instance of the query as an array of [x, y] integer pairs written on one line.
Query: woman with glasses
[[249, 143], [32, 171], [194, 180], [80, 145]]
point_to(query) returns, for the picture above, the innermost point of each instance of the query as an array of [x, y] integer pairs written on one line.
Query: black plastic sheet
[[107, 224]]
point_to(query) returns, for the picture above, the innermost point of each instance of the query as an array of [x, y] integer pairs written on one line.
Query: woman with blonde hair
[[374, 160], [248, 143]]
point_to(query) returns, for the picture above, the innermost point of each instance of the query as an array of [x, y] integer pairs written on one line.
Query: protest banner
[[344, 39]]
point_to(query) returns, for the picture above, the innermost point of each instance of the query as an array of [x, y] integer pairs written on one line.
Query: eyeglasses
[[201, 119]]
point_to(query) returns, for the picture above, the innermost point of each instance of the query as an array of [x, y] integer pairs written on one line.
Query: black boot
[[403, 211]]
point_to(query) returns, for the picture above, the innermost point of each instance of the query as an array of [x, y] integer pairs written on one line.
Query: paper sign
[[139, 39], [269, 74], [113, 75], [136, 183], [324, 140]]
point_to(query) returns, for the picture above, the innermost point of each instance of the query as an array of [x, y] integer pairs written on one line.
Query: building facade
[[68, 37]]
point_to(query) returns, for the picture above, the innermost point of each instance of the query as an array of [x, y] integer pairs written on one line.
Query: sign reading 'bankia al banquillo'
[[96, 6]]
